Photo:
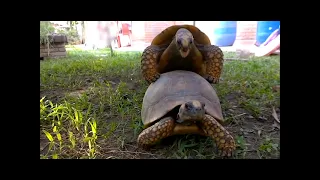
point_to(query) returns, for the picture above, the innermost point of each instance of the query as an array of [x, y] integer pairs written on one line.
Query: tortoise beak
[[184, 52]]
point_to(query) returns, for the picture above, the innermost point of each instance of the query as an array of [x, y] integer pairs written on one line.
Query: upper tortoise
[[182, 47]]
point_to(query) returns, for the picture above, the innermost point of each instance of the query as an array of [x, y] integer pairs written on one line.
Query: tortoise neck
[[173, 47]]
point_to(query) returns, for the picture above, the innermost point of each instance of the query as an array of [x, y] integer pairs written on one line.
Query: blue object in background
[[264, 29], [225, 33]]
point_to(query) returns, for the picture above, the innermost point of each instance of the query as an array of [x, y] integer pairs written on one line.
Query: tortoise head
[[184, 40], [191, 111]]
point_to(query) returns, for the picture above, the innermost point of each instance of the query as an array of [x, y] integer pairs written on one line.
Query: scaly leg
[[156, 132], [213, 57], [149, 63], [221, 136]]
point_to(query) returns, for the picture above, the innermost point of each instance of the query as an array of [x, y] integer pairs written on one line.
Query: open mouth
[[184, 53]]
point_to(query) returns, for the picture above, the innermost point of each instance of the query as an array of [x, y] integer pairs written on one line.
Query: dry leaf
[[263, 119], [259, 133], [276, 88], [111, 82], [277, 120], [275, 116]]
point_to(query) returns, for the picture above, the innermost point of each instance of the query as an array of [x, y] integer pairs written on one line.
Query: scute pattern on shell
[[177, 87]]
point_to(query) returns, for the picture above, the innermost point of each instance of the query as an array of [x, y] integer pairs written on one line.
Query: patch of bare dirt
[[255, 131], [43, 144], [54, 95]]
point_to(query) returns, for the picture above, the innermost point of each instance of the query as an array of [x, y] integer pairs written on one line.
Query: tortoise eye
[[187, 106], [190, 41], [179, 41]]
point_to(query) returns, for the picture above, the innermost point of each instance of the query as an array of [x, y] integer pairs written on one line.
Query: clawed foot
[[227, 152], [211, 79]]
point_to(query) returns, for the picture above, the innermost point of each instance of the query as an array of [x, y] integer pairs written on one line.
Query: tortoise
[[182, 47], [182, 102]]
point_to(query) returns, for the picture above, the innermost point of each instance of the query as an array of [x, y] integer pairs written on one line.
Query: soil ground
[[249, 113]]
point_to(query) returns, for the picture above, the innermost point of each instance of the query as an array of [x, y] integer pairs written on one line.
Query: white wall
[[138, 30], [93, 35]]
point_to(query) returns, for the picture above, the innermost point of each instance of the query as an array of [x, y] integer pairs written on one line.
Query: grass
[[90, 107]]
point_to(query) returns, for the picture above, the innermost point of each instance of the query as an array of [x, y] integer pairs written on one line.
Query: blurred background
[[136, 35]]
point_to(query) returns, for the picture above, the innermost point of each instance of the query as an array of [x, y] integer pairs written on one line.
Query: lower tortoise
[[182, 102], [182, 47]]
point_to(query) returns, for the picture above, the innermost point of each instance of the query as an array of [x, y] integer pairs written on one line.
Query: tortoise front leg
[[213, 57], [151, 135], [149, 63], [219, 134]]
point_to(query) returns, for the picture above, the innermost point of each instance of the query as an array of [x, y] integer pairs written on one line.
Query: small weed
[[69, 125], [268, 147], [241, 147]]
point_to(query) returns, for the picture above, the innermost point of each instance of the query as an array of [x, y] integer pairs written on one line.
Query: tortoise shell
[[175, 88]]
